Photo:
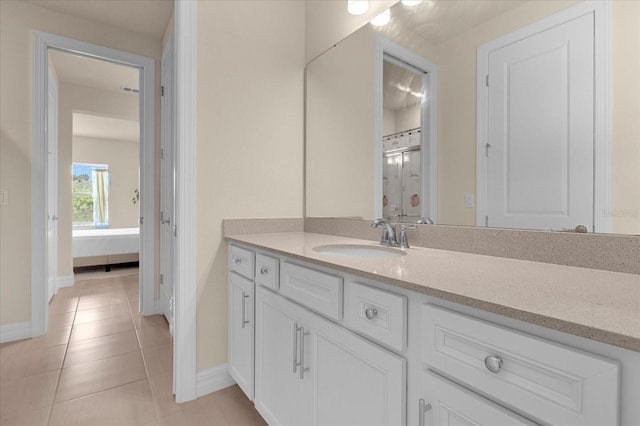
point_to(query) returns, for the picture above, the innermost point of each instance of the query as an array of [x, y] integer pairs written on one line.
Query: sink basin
[[361, 251]]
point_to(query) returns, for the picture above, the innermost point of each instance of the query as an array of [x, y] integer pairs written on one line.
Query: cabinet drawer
[[547, 381], [317, 290], [267, 273], [449, 404], [377, 313], [241, 261]]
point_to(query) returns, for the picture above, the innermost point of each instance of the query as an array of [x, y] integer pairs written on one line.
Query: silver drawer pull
[[493, 363], [423, 407], [370, 313], [264, 270], [244, 309], [237, 260]]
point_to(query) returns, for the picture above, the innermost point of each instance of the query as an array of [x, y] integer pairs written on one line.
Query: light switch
[[4, 197], [469, 201]]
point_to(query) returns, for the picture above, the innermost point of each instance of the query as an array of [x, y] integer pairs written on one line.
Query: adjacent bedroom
[[99, 169]]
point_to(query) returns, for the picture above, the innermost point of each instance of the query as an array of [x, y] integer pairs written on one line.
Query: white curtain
[[100, 198]]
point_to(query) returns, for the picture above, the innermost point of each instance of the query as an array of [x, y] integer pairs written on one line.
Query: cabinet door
[[357, 382], [241, 331], [449, 404], [282, 397]]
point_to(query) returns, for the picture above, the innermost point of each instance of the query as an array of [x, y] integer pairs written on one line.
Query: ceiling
[[91, 72], [146, 17], [101, 127]]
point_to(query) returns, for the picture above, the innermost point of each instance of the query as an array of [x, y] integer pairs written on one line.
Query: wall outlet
[[4, 197], [469, 201]]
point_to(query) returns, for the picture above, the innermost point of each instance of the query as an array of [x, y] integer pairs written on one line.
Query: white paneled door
[[540, 129], [167, 188]]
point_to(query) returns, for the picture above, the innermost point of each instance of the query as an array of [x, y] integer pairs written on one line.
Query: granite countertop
[[598, 305]]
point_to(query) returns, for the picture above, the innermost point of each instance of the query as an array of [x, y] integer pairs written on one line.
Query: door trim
[[41, 42], [602, 111], [185, 319]]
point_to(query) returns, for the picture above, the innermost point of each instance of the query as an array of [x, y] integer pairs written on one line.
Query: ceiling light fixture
[[382, 19], [411, 3], [357, 7]]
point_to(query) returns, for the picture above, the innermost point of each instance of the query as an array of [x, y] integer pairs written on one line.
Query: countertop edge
[[576, 329]]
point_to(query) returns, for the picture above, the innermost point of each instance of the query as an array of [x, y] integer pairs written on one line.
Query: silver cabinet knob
[[237, 260], [493, 363], [264, 270], [370, 313]]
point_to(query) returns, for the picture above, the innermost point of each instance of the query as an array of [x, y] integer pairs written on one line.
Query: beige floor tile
[[37, 417], [154, 335], [96, 376], [61, 319], [54, 337], [97, 314], [241, 412], [63, 304], [161, 389], [141, 321], [130, 404], [104, 327], [158, 359], [102, 300], [88, 350], [38, 361], [19, 397]]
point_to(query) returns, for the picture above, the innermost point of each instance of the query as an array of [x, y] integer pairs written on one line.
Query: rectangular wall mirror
[[509, 114]]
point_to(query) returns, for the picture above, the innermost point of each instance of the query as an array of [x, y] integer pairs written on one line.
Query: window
[[90, 195]]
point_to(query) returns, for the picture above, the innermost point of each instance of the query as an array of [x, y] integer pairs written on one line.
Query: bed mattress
[[101, 242]]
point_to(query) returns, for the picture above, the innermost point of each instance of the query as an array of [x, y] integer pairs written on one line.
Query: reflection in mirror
[[342, 129], [403, 92]]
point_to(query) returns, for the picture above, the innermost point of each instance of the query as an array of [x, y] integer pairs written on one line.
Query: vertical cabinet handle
[[423, 407], [303, 369], [295, 347], [244, 309]]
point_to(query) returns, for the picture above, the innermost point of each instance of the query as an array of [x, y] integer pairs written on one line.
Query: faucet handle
[[404, 241]]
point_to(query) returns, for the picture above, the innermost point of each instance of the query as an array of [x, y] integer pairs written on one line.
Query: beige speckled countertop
[[598, 305]]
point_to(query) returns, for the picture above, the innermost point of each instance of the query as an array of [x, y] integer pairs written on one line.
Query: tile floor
[[102, 363]]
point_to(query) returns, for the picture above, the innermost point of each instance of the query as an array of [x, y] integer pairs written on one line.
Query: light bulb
[[411, 3], [382, 19], [357, 7]]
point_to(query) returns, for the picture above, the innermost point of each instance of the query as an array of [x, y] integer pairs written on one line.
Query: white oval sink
[[361, 251]]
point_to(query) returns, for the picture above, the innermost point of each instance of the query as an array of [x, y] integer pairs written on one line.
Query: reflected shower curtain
[[100, 197]]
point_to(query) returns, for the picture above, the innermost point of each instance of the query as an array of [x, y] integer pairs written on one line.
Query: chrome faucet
[[388, 237]]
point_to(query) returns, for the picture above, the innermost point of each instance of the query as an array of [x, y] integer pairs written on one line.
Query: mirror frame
[[428, 119]]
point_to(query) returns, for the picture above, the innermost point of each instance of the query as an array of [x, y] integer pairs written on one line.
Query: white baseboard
[[66, 281], [16, 331], [213, 379]]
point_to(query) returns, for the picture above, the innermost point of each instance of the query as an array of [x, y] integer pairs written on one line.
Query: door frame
[[52, 177], [42, 41], [602, 111], [428, 119]]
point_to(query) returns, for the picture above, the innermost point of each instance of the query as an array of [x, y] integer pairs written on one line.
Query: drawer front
[[544, 380], [267, 271], [241, 261], [317, 290], [377, 313]]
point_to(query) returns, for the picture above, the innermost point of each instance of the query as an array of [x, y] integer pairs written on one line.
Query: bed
[[106, 247]]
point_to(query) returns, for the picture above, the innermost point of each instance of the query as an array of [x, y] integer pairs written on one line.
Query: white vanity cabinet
[[311, 371], [240, 318], [332, 348]]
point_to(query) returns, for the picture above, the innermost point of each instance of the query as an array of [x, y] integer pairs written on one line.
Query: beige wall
[[122, 157], [17, 20], [90, 100], [249, 138]]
